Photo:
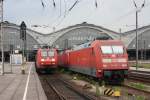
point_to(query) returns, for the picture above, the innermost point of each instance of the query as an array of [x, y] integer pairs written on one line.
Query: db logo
[[113, 56]]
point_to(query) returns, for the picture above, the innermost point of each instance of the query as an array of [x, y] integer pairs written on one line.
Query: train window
[[50, 53], [106, 49], [43, 53], [117, 49], [112, 49]]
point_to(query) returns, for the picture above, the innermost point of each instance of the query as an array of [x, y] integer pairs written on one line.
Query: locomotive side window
[[117, 49], [106, 49], [50, 53]]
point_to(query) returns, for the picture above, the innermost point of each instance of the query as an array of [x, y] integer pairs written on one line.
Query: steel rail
[[142, 76], [87, 97], [138, 71], [140, 90], [67, 85], [61, 97]]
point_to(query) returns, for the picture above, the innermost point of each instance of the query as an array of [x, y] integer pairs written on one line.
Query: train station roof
[[129, 36], [126, 37], [55, 35], [51, 37]]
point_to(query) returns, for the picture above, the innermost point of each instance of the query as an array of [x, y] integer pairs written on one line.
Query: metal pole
[[25, 46], [137, 10], [141, 47], [2, 48], [11, 59], [120, 32], [144, 51], [23, 51], [136, 40]]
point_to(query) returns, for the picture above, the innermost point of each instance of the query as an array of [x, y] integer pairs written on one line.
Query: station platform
[[18, 86]]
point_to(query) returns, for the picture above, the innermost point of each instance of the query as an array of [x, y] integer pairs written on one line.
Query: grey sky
[[111, 14]]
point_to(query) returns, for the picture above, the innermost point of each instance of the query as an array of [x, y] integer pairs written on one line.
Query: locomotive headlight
[[42, 59], [99, 70], [107, 60], [53, 59]]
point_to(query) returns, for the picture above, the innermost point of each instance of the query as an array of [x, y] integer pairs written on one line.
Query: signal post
[[23, 38]]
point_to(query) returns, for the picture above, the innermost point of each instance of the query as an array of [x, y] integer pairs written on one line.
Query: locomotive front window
[[43, 53], [117, 49], [106, 49], [112, 49], [50, 53]]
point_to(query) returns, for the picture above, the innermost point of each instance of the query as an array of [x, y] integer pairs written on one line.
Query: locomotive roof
[[84, 45], [103, 42], [111, 42], [40, 49]]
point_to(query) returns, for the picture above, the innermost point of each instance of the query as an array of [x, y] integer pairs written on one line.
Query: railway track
[[139, 76], [49, 90], [142, 76], [62, 89], [140, 90]]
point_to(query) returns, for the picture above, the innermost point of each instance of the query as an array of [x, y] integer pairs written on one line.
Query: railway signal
[[23, 31], [23, 37]]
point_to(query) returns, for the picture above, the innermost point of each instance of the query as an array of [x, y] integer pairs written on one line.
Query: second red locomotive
[[103, 59]]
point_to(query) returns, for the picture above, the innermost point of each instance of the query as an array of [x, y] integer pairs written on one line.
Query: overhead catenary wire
[[141, 5], [73, 5], [134, 3], [96, 3], [64, 12], [60, 8], [145, 4], [54, 4], [65, 8], [69, 10], [43, 4]]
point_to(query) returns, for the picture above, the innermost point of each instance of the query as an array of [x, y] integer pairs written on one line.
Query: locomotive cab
[[114, 61], [46, 59]]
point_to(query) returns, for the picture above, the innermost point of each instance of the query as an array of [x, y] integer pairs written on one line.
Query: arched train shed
[[72, 36], [78, 34], [129, 39]]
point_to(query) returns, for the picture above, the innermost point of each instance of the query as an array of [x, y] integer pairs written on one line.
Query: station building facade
[[72, 36], [12, 41]]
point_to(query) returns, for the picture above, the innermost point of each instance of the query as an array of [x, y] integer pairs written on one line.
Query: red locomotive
[[46, 59], [103, 59]]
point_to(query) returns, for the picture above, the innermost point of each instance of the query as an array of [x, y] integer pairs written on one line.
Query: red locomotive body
[[46, 59], [103, 59], [63, 58]]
